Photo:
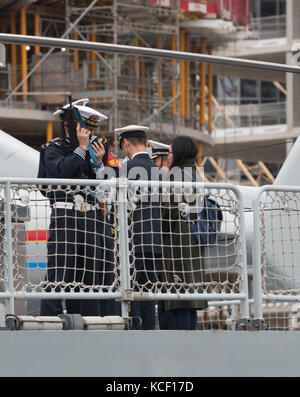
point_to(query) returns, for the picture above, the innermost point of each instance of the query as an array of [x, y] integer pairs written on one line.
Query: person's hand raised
[[83, 136], [99, 151]]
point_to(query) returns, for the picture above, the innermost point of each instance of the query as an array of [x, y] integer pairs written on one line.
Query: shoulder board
[[45, 145], [57, 141]]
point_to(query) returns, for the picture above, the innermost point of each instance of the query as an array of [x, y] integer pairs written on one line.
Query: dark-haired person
[[75, 251], [144, 222], [183, 263]]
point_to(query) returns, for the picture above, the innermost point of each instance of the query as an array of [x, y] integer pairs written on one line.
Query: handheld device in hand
[[71, 119]]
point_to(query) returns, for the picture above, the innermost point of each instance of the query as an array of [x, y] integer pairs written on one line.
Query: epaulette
[[57, 141], [45, 145], [58, 138]]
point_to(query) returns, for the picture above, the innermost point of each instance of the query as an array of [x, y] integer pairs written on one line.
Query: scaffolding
[[172, 93], [170, 96]]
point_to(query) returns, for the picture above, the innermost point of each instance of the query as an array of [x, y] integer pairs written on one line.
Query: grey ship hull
[[149, 354]]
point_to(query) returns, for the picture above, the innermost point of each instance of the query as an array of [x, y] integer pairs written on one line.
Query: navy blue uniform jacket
[[57, 160], [145, 220]]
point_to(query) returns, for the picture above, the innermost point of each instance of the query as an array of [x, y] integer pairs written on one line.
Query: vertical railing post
[[244, 271], [8, 250], [234, 315], [123, 242], [256, 258]]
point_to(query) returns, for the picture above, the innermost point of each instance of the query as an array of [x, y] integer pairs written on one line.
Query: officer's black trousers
[[147, 269], [75, 259], [109, 307]]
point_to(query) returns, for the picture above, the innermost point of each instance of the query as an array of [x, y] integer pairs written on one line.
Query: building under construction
[[243, 121]]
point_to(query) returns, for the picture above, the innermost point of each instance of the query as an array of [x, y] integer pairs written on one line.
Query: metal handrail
[[143, 51]]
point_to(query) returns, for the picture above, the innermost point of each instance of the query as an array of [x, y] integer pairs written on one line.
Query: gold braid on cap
[[91, 122]]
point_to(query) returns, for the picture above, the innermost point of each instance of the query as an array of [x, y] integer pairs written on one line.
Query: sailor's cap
[[158, 149], [131, 131], [90, 116], [81, 102]]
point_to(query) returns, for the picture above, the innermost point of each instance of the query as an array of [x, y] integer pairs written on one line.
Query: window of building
[[250, 91], [268, 8], [235, 91], [228, 90], [270, 93]]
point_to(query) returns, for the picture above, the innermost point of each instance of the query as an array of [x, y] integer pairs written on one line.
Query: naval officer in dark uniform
[[159, 155], [144, 222], [75, 246]]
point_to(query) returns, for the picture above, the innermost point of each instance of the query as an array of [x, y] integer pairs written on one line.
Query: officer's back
[[145, 217]]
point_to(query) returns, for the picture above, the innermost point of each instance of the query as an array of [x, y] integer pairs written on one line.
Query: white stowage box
[[29, 323], [103, 323], [115, 322]]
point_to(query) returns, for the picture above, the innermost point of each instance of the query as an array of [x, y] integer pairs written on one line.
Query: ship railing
[[123, 247], [276, 259]]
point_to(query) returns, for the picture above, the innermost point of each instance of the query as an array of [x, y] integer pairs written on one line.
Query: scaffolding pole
[[210, 94], [42, 43], [24, 53], [13, 50]]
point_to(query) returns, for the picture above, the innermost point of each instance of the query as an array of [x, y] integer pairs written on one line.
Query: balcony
[[268, 27], [251, 115]]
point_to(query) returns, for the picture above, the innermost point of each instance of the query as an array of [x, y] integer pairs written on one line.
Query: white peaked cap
[[131, 128], [158, 149], [158, 145], [79, 102], [90, 116], [131, 131]]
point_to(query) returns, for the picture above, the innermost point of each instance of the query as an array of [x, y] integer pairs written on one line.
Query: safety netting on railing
[[66, 241], [185, 240], [280, 241], [163, 241], [276, 255]]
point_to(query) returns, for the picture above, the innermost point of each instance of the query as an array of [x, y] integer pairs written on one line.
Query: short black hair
[[137, 140], [183, 148]]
